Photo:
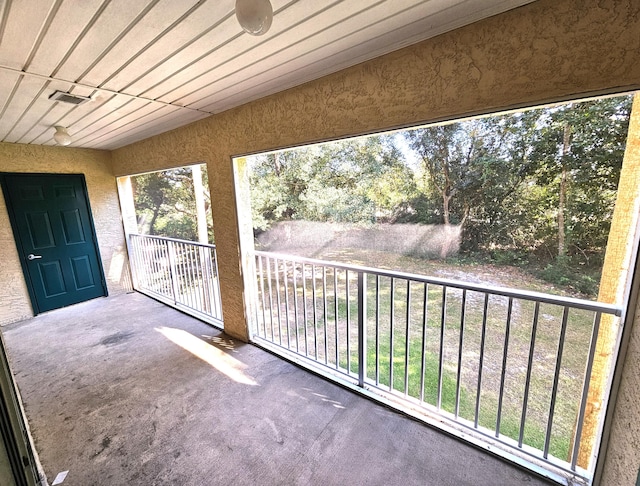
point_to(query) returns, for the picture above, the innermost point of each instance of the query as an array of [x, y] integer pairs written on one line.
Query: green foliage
[[566, 273], [165, 203], [499, 177], [356, 181]]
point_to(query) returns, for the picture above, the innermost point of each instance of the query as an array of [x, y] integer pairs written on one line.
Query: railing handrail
[[175, 240], [489, 289]]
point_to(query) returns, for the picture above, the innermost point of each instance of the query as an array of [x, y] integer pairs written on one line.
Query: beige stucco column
[[614, 282], [230, 223]]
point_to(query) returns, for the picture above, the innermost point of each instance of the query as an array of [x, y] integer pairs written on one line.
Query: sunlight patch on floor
[[220, 360]]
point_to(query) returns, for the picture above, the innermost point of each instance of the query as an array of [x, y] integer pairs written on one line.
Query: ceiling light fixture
[[254, 16], [61, 136]]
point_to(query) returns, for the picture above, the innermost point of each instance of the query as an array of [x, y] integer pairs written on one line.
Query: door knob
[[31, 256]]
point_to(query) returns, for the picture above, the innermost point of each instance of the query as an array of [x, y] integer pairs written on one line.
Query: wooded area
[[165, 203], [534, 188]]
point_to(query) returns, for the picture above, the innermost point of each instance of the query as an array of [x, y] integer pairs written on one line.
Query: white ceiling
[[154, 65]]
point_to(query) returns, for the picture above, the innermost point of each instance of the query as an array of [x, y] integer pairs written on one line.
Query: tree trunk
[[445, 207], [566, 140], [152, 224]]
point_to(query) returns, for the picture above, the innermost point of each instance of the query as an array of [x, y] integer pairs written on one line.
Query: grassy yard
[[325, 328]]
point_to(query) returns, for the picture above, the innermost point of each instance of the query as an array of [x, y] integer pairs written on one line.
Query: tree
[[578, 150], [473, 167], [165, 203], [357, 181]]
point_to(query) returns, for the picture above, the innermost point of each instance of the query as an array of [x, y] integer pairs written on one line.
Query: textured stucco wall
[[549, 50], [103, 198]]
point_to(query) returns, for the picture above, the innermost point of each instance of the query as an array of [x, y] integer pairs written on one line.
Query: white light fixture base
[[61, 136], [254, 16]]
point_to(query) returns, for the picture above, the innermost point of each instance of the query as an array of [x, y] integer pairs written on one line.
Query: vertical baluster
[[286, 301], [216, 280], [315, 313], [425, 303], [585, 390], [199, 286], [407, 339], [256, 293], [483, 335], [164, 268], [172, 270], [270, 286], [175, 269], [335, 309], [295, 306], [556, 377], [264, 304], [525, 399], [192, 275], [324, 313], [503, 373], [155, 262], [346, 278], [443, 318], [304, 310], [462, 312], [276, 264], [391, 326], [377, 329], [362, 328], [198, 273], [149, 269], [151, 263], [180, 270], [145, 270], [162, 264], [204, 280], [154, 256], [168, 249], [206, 255], [186, 275]]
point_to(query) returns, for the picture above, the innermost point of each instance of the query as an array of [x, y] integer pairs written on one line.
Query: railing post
[[173, 271], [134, 260], [362, 328], [206, 272]]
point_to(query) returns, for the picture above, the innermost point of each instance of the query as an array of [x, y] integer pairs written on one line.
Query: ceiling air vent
[[68, 98]]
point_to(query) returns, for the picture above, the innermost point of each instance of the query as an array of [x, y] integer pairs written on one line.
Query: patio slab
[[127, 391]]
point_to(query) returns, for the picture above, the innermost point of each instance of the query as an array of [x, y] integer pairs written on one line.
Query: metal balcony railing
[[182, 274], [507, 369]]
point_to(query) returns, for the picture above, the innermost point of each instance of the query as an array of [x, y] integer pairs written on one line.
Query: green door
[[55, 238]]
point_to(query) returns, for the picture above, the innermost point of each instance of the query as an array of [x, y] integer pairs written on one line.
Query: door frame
[[18, 241], [14, 431]]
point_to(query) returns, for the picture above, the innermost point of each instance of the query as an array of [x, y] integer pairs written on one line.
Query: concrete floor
[[127, 391]]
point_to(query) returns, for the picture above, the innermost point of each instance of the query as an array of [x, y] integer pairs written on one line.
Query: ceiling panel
[[154, 65], [25, 92], [38, 107], [363, 27], [64, 30], [117, 18], [201, 21], [243, 53], [22, 25], [181, 64], [154, 126], [161, 17]]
